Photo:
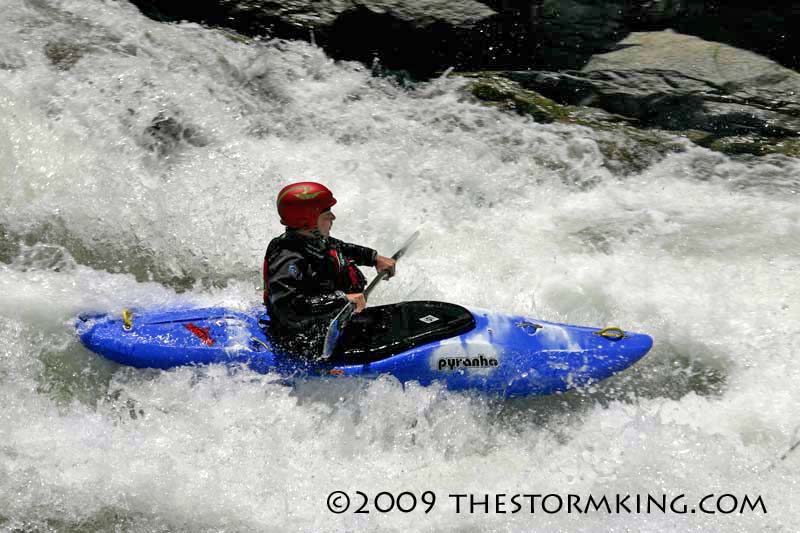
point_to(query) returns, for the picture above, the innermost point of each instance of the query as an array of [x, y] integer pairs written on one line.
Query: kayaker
[[308, 275]]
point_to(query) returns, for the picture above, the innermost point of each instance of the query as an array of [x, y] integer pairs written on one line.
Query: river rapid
[[139, 163]]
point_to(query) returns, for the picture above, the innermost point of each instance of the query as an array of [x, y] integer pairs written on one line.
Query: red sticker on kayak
[[201, 333]]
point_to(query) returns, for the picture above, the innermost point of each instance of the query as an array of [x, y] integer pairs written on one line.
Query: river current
[[139, 163]]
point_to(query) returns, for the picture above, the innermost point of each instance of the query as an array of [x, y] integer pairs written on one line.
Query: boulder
[[425, 37], [569, 32], [626, 149], [680, 82], [501, 92], [421, 36]]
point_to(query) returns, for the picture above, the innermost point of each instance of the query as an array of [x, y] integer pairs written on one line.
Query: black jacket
[[305, 281]]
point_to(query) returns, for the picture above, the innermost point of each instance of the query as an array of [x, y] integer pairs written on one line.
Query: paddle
[[340, 320]]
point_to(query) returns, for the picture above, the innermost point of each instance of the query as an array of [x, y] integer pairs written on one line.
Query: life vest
[[349, 278]]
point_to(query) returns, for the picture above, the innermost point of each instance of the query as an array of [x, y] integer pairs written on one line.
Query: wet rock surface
[[426, 36], [570, 32], [575, 53], [626, 148], [63, 55], [681, 83], [421, 36]]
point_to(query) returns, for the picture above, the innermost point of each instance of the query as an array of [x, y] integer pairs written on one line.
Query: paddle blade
[[335, 329], [406, 245]]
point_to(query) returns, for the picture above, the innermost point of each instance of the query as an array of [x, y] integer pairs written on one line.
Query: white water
[[699, 251]]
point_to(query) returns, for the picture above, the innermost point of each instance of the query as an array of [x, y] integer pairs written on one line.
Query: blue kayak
[[421, 341]]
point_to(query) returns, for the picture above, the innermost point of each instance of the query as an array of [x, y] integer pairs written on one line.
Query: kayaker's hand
[[385, 264], [358, 299]]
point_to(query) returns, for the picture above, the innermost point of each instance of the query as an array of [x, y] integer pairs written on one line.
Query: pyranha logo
[[481, 361], [301, 193]]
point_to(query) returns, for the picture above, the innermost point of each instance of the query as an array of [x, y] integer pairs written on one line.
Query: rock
[[626, 149], [767, 28], [507, 94], [422, 36], [428, 36], [165, 134], [679, 82], [64, 54], [691, 56], [571, 31], [751, 145], [625, 141]]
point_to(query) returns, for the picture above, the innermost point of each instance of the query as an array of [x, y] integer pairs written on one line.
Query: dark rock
[[768, 27], [569, 32], [432, 32], [507, 94], [679, 82], [428, 36], [752, 145], [626, 149], [64, 54], [717, 96], [166, 133]]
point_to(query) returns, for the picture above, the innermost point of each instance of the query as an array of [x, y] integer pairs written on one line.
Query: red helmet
[[300, 204]]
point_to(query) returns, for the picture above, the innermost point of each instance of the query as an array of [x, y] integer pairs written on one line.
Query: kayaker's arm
[[361, 255], [364, 256]]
